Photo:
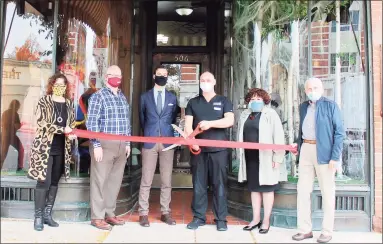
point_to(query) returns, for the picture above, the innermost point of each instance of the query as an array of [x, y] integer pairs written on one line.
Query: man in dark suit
[[158, 110]]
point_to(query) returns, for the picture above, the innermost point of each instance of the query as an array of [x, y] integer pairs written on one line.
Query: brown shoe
[[114, 220], [167, 218], [301, 237], [101, 224], [144, 221], [324, 239]]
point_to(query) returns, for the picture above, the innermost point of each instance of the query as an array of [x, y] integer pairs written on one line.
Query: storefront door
[[183, 80], [187, 44]]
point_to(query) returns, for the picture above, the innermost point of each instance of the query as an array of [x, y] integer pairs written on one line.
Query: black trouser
[[54, 172], [209, 167]]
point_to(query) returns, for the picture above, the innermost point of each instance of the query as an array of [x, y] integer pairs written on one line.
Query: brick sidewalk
[[181, 210]]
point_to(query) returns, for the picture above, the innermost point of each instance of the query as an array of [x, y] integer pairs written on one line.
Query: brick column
[[376, 17], [188, 73], [320, 33]]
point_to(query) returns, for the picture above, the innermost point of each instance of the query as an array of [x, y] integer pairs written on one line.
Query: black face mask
[[160, 80]]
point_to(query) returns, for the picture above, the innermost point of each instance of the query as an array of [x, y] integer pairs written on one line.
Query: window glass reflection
[[88, 41], [27, 64], [275, 57], [92, 38], [88, 50]]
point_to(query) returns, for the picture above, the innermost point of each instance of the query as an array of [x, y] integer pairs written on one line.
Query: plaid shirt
[[108, 113]]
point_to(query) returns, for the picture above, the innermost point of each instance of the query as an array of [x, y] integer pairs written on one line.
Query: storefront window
[[27, 64], [278, 53], [91, 35], [91, 40], [84, 64]]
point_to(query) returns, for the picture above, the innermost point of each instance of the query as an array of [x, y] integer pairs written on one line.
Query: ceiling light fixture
[[184, 11], [162, 38], [227, 13]]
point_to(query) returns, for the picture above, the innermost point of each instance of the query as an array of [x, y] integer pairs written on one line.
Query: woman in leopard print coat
[[51, 149]]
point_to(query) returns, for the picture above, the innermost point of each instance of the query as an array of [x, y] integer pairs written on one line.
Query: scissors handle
[[196, 132], [194, 152]]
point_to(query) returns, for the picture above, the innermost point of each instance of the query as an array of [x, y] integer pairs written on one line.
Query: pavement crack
[[253, 237], [101, 238]]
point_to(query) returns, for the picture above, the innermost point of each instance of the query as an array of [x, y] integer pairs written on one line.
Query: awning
[[94, 13]]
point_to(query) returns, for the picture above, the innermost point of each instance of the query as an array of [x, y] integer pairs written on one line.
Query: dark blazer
[[154, 124]]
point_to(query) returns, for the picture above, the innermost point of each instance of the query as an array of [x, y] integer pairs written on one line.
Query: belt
[[310, 141]]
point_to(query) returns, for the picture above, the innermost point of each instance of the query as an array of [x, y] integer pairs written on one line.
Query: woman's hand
[[275, 165], [72, 137], [67, 130]]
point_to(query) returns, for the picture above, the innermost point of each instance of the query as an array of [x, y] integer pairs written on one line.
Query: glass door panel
[[183, 81], [184, 72]]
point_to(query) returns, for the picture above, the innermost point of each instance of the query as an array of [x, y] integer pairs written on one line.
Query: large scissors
[[197, 131]]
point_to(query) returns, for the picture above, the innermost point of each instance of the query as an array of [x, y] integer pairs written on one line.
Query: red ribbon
[[183, 141]]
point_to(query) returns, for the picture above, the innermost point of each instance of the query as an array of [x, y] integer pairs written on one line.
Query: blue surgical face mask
[[256, 105], [314, 96]]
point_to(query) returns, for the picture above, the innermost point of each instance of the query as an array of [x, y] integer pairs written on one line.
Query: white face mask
[[207, 86]]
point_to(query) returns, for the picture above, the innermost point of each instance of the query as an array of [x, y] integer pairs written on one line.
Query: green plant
[[273, 16]]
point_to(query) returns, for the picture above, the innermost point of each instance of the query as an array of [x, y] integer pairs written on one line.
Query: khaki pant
[[149, 164], [106, 178], [308, 167]]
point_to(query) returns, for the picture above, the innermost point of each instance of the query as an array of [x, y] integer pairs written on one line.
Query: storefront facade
[[229, 38]]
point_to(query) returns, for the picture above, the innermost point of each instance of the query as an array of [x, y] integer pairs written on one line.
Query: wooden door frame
[[214, 48]]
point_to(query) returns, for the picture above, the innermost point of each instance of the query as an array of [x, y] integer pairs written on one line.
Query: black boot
[[51, 197], [40, 197]]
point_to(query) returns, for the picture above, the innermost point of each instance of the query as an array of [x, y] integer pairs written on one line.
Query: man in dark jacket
[[158, 110]]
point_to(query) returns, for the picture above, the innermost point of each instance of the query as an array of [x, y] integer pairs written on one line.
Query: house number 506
[[181, 58]]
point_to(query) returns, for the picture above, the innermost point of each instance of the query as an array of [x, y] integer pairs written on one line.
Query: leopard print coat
[[46, 129]]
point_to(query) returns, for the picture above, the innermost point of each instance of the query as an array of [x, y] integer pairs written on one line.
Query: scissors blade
[[170, 147], [182, 133], [179, 130]]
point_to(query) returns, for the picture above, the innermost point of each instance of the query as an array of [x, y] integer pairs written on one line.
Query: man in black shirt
[[214, 113]]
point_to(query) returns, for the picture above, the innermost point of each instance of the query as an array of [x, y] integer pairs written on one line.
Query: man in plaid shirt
[[108, 112]]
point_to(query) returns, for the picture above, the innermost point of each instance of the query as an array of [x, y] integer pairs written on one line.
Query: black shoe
[[40, 195], [264, 231], [51, 197], [221, 226], [250, 228], [195, 224]]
